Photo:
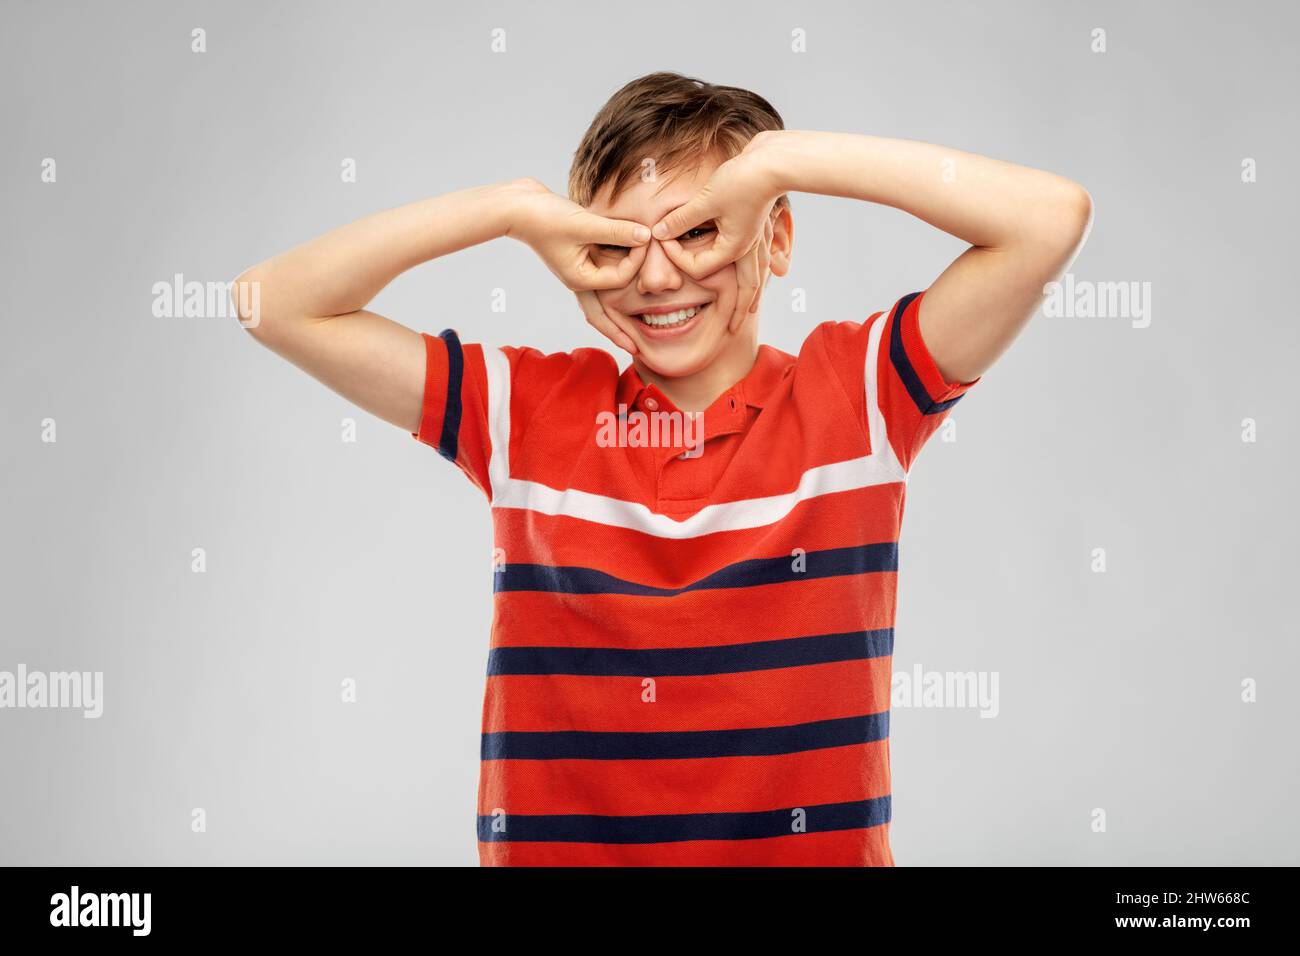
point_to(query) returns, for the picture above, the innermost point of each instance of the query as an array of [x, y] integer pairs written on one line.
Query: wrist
[[771, 154], [513, 202]]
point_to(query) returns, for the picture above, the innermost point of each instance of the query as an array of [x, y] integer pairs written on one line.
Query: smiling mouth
[[667, 321]]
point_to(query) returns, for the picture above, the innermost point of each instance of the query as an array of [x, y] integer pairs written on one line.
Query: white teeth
[[670, 318]]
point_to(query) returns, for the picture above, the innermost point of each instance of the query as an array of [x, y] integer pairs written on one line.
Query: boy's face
[[656, 307]]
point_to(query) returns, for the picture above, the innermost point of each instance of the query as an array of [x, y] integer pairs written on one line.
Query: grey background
[[371, 560]]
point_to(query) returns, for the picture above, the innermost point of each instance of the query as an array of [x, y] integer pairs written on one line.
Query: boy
[[691, 647]]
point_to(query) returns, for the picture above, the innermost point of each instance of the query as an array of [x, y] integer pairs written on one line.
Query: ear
[[782, 241]]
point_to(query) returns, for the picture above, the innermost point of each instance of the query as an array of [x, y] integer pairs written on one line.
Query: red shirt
[[690, 656]]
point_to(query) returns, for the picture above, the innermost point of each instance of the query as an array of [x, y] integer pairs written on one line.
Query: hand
[[604, 323], [751, 270], [562, 234], [736, 205]]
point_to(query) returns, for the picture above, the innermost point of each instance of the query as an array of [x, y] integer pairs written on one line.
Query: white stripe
[[498, 386], [879, 468], [881, 446]]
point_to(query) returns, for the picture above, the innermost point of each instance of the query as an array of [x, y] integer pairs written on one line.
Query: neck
[[697, 391]]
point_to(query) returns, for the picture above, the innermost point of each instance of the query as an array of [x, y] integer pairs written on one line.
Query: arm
[[1024, 226], [311, 299]]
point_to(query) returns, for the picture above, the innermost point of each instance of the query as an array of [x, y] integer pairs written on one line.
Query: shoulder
[[584, 364], [836, 336]]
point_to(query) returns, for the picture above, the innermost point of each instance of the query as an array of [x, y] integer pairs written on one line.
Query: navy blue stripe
[[684, 744], [834, 562], [906, 371], [448, 441], [679, 827], [689, 661]]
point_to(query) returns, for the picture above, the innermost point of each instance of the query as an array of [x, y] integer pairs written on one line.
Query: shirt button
[[652, 404]]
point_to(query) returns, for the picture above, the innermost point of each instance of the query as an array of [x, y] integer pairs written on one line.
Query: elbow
[[1075, 216], [1061, 220], [246, 294]]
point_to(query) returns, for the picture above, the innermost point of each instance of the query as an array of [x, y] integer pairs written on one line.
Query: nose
[[658, 273]]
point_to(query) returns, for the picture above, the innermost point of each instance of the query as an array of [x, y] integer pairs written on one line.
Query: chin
[[680, 358], [674, 363]]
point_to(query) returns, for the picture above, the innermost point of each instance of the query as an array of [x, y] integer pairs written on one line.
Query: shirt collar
[[758, 385]]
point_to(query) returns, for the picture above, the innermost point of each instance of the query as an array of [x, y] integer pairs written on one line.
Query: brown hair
[[671, 118]]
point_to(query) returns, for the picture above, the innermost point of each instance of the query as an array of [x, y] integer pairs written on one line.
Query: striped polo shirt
[[692, 636]]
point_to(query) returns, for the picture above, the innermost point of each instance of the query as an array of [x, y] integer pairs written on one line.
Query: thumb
[[614, 232], [682, 218]]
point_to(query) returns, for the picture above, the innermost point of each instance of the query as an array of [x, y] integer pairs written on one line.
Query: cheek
[[722, 285], [609, 299]]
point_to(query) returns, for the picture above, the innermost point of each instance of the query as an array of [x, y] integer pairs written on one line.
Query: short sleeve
[[454, 415], [911, 393], [480, 400]]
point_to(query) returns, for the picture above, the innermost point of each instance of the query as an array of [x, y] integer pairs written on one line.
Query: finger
[[598, 319], [746, 285], [743, 293], [764, 261], [591, 276], [684, 217], [705, 262], [615, 232], [760, 266], [627, 269]]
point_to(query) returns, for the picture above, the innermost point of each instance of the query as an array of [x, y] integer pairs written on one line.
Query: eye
[[605, 249], [699, 232]]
